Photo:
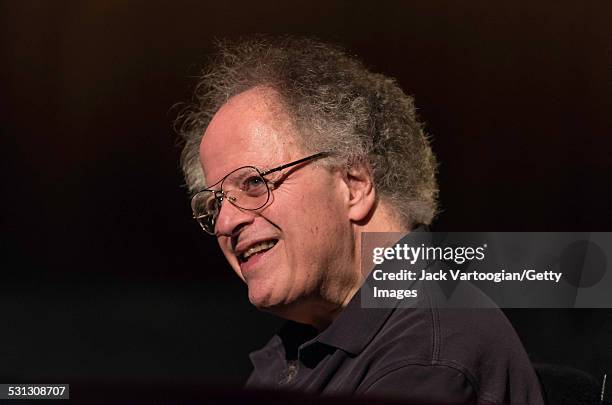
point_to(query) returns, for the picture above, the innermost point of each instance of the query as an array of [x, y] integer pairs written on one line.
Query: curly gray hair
[[336, 105]]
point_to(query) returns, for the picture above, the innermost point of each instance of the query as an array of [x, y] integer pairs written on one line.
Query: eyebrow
[[268, 171], [297, 162]]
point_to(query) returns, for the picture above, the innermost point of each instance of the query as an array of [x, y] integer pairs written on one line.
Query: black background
[[104, 276]]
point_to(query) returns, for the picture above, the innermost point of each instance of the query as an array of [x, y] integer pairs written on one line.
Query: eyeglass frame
[[219, 195]]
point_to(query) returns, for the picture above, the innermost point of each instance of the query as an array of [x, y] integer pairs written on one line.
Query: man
[[292, 151]]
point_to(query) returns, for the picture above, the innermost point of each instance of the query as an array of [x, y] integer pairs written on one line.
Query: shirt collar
[[355, 327]]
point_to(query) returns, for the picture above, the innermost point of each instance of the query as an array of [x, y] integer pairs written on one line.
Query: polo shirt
[[429, 354]]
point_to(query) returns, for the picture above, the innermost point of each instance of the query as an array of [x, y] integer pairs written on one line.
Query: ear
[[361, 192]]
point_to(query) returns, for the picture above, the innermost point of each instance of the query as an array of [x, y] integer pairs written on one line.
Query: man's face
[[307, 243]]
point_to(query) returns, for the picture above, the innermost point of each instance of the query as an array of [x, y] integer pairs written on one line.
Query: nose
[[231, 218]]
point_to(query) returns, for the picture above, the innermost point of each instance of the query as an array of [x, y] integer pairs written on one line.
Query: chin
[[268, 287], [262, 298], [277, 304], [283, 307]]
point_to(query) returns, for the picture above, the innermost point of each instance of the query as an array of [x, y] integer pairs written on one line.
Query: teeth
[[257, 248]]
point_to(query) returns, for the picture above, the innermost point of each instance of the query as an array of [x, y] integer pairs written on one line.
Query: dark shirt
[[438, 355]]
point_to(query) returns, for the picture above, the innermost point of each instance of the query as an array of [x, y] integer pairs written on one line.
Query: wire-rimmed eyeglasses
[[245, 187]]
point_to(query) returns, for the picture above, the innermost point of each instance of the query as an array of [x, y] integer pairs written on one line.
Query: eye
[[212, 205], [253, 183]]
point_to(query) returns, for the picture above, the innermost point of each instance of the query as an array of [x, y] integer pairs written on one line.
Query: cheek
[[322, 223], [329, 210]]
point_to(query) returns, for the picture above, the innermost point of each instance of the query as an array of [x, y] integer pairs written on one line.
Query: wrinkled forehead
[[251, 129]]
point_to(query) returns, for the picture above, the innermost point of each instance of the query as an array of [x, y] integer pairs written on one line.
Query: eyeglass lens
[[244, 188]]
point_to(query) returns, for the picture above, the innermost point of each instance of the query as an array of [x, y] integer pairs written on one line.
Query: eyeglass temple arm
[[297, 162]]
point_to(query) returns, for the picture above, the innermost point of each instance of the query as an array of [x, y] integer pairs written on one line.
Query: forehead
[[251, 129]]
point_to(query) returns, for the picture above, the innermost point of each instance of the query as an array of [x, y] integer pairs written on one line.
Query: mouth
[[256, 249]]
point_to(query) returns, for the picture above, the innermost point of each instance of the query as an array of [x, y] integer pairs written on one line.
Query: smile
[[256, 249]]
